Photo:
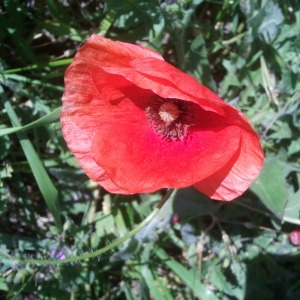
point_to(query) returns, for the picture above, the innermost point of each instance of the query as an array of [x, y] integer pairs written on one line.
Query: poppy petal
[[108, 89], [79, 95], [79, 142], [227, 186], [165, 87], [99, 51], [153, 162]]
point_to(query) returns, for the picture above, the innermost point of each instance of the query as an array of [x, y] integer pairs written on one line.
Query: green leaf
[[266, 22], [57, 11], [43, 180], [270, 186], [230, 79], [4, 146], [31, 81], [3, 285], [163, 288], [186, 276], [197, 63], [20, 43], [294, 147], [272, 20], [189, 202], [52, 117], [282, 131], [219, 280], [289, 31], [150, 282], [107, 22], [292, 209]]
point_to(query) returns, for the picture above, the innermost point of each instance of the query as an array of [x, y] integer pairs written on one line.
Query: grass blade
[[44, 182], [31, 81], [186, 276], [52, 117]]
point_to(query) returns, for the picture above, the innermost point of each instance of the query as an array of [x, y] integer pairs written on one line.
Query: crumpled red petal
[[156, 163], [108, 87], [224, 185]]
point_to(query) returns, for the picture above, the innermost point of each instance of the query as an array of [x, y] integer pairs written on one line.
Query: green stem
[[234, 39], [88, 255], [57, 63]]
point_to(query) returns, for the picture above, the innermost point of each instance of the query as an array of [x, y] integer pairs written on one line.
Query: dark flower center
[[170, 117]]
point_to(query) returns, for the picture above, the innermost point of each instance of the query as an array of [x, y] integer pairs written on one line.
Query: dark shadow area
[[274, 277]]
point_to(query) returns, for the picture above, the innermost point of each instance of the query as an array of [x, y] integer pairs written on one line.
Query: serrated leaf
[[218, 279], [197, 63], [272, 19], [266, 22], [282, 131]]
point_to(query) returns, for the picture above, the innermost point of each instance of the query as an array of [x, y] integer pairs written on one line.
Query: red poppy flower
[[137, 124]]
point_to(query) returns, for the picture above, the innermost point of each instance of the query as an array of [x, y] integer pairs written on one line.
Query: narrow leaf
[[186, 276], [52, 117], [44, 182], [25, 79]]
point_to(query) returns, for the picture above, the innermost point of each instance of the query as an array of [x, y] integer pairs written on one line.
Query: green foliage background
[[246, 51]]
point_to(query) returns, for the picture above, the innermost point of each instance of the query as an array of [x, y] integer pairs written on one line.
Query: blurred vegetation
[[246, 51]]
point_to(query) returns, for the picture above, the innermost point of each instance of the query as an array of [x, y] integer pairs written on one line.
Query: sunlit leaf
[[266, 23], [292, 209], [270, 186]]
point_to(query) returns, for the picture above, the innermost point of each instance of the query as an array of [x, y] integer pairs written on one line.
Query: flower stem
[[98, 252]]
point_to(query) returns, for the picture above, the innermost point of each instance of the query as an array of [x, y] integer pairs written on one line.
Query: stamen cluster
[[170, 117]]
